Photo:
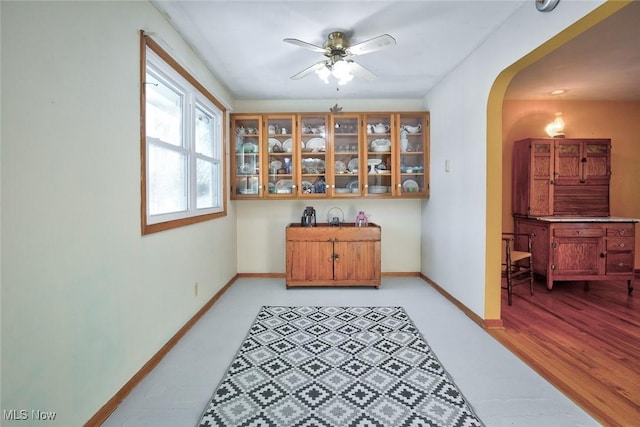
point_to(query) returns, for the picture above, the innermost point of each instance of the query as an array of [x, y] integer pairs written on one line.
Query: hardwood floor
[[583, 338]]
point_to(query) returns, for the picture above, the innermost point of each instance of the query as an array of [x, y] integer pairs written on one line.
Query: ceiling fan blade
[[371, 45], [361, 72], [308, 70], [306, 45]]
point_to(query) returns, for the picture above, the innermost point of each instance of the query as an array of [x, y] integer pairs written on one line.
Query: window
[[182, 145]]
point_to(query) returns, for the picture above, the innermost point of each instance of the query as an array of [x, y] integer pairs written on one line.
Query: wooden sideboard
[[581, 248], [327, 255]]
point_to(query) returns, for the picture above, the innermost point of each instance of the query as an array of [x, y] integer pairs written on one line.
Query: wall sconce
[[555, 129]]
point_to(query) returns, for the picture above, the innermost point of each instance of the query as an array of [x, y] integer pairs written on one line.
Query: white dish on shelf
[[340, 167], [284, 186], [342, 190], [382, 145], [274, 143], [249, 147], [247, 191], [353, 184], [313, 165], [377, 189], [318, 144], [353, 164], [410, 186]]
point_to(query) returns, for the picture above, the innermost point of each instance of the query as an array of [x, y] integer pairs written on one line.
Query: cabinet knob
[[602, 255], [621, 245], [621, 231], [621, 264]]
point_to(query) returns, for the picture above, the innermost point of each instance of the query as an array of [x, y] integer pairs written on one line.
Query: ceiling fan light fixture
[[341, 70], [324, 73]]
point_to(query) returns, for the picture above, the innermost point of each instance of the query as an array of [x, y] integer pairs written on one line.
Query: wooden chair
[[517, 264]]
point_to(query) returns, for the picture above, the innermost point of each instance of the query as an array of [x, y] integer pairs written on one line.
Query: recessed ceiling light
[[557, 92]]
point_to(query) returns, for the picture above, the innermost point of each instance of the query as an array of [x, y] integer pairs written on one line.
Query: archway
[[492, 314]]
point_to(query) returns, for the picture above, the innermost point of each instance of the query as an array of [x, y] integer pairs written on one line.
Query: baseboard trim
[[262, 275], [483, 323], [112, 404]]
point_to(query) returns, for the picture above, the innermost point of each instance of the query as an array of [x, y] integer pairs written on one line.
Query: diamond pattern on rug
[[336, 366]]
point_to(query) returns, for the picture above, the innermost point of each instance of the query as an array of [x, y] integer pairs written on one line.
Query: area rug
[[336, 366]]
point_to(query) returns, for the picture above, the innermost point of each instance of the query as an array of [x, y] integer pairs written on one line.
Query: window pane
[[204, 132], [163, 111], [206, 184], [166, 181]]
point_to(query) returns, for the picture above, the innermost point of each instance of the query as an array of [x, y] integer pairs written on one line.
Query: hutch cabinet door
[[412, 148], [578, 250], [281, 156], [309, 261], [315, 154], [246, 181], [597, 166], [541, 196], [582, 162], [357, 261], [347, 155], [380, 159]]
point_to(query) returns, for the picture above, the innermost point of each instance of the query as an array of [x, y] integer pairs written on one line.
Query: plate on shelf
[[353, 184], [410, 186], [353, 164], [316, 144], [339, 190], [284, 186], [274, 143], [275, 165], [340, 167], [287, 145]]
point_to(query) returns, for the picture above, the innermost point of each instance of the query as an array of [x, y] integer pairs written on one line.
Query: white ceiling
[[241, 42]]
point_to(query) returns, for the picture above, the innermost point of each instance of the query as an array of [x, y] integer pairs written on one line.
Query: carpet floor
[[336, 366]]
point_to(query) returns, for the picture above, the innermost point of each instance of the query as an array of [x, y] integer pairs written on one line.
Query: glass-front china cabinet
[[282, 154], [246, 157], [317, 155], [315, 152], [380, 159], [413, 154], [345, 179]]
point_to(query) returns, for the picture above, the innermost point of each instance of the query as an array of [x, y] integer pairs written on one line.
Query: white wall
[[454, 218], [87, 300]]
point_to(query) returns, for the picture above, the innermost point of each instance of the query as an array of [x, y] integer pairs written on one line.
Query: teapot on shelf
[[379, 128]]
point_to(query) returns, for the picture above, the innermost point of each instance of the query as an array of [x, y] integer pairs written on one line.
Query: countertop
[[586, 219]]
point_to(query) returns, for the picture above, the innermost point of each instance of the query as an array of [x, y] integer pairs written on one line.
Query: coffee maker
[[308, 217]]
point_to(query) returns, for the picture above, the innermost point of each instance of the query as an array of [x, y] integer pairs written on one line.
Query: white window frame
[[194, 97]]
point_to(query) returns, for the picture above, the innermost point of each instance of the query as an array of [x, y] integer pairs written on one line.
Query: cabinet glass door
[[245, 160], [346, 165], [281, 154], [379, 162], [413, 148], [314, 145]]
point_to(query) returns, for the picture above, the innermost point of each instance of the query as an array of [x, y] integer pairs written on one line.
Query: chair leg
[[509, 285]]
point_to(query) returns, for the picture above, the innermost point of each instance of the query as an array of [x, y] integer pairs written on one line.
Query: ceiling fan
[[338, 50]]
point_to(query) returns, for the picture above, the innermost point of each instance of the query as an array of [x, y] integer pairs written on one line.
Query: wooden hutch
[[561, 195]]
